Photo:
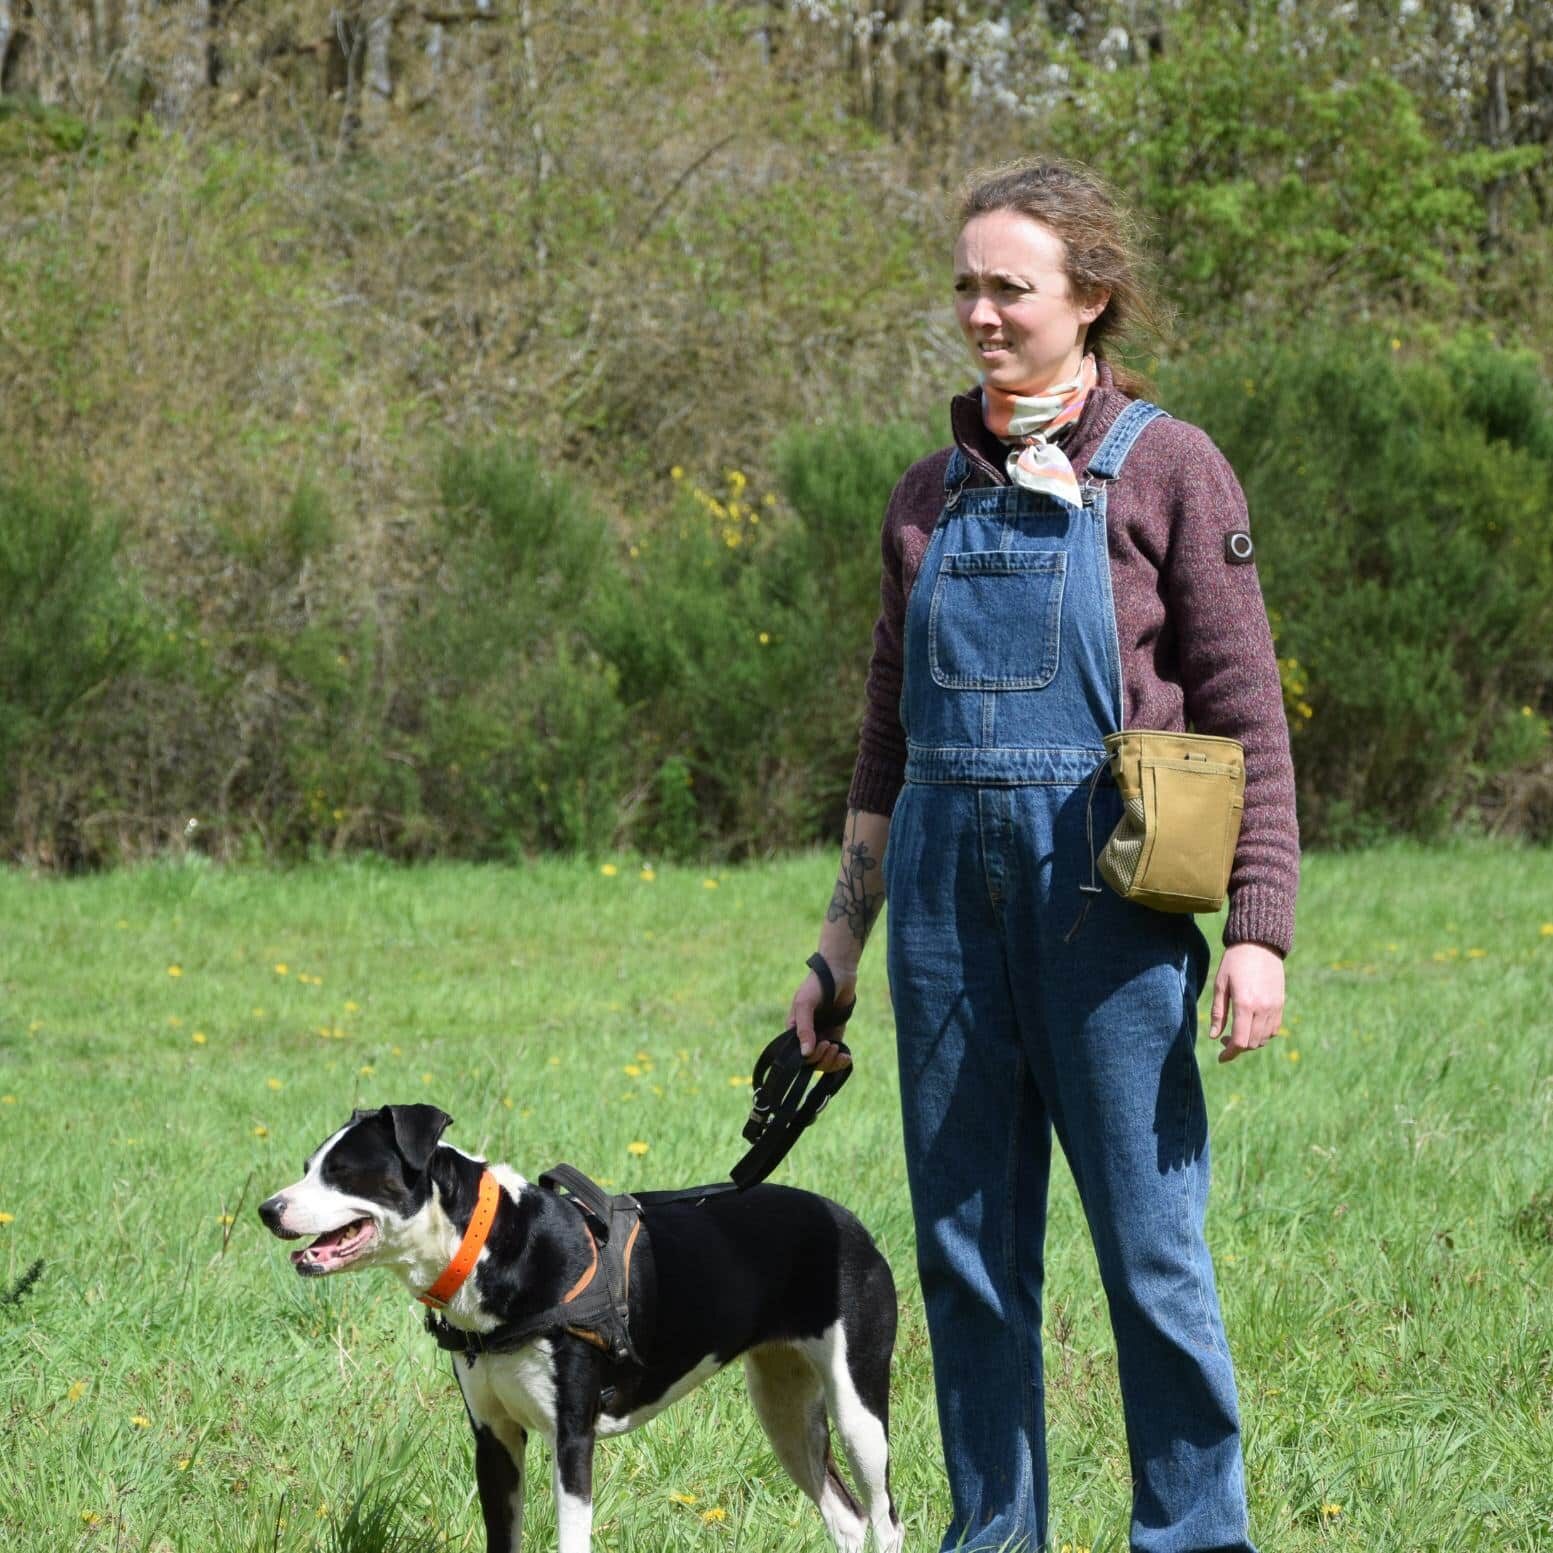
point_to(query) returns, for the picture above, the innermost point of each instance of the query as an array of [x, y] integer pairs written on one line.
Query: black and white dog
[[786, 1279]]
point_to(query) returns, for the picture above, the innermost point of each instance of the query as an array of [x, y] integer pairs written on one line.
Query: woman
[[1076, 562]]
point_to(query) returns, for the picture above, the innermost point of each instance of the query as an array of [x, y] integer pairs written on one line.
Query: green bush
[[71, 621], [1404, 518], [741, 633], [513, 718]]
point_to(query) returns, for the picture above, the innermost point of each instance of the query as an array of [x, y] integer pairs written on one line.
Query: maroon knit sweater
[[1195, 644]]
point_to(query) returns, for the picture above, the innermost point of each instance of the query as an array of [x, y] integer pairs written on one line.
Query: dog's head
[[359, 1189]]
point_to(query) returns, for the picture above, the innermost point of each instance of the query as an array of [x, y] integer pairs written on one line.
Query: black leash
[[784, 1105]]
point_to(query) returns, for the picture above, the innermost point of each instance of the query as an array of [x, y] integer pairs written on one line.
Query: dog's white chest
[[521, 1385]]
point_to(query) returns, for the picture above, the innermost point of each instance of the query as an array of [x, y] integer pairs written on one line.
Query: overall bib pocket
[[996, 617]]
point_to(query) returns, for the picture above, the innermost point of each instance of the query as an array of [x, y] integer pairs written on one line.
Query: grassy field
[[174, 1040]]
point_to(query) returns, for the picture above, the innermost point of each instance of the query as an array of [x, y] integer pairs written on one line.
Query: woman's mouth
[[335, 1248]]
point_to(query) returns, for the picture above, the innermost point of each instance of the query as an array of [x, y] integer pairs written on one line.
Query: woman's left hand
[[1251, 980]]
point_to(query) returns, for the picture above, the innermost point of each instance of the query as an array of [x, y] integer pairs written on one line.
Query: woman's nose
[[983, 315]]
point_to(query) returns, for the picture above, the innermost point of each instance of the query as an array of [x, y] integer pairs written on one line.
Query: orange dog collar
[[469, 1248]]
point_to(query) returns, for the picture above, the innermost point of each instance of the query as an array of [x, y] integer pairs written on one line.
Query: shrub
[[1404, 518], [513, 718], [71, 622]]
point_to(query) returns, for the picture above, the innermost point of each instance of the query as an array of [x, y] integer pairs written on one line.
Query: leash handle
[[827, 1015]]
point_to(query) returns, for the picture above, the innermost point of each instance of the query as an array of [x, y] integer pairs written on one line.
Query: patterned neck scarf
[[1028, 423]]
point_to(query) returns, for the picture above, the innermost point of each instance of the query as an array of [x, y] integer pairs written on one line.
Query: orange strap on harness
[[469, 1248]]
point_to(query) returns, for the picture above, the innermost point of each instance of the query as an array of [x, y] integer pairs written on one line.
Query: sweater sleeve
[[1229, 672], [880, 771]]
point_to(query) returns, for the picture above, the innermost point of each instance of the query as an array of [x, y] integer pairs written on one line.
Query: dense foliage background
[[466, 430]]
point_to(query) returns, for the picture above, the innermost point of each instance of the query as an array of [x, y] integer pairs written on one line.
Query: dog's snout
[[270, 1210]]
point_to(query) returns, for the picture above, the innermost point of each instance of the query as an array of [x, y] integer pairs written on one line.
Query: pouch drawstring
[[1092, 889]]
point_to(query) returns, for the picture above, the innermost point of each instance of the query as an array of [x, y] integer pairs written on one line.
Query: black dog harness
[[598, 1308]]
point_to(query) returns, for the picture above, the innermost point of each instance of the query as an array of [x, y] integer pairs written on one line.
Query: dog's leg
[[573, 1490], [789, 1400], [499, 1474], [577, 1372], [856, 1379]]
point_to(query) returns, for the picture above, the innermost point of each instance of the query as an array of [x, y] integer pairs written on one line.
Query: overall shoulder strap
[[1112, 452], [957, 471]]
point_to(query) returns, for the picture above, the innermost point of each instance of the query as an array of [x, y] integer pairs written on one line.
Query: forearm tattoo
[[853, 901]]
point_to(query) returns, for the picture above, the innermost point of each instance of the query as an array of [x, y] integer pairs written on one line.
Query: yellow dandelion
[[631, 1070], [644, 1057], [175, 970], [553, 1062], [91, 1517], [680, 1498], [396, 1051], [261, 1132], [7, 1218], [609, 870], [366, 1070], [281, 968], [708, 884], [676, 473], [140, 1421], [765, 638], [648, 875], [1293, 1056], [1330, 1510], [716, 1513], [1396, 344], [351, 1006], [34, 1027], [638, 1148], [199, 1038], [7, 1099], [1476, 954], [183, 1463], [426, 1078], [76, 1392], [506, 1101], [1526, 711], [1546, 930], [258, 1013], [224, 1219], [739, 1081], [273, 1083]]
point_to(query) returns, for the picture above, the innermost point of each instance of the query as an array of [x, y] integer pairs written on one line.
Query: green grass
[[1383, 1248]]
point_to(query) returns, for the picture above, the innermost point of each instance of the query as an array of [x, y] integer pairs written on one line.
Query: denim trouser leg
[[1005, 1032], [978, 1145]]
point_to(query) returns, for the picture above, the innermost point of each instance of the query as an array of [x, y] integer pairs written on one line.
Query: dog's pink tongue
[[319, 1250]]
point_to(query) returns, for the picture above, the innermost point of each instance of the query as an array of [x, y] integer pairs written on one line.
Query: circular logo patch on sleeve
[[1238, 549]]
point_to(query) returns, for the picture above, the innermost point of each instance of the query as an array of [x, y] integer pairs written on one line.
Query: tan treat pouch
[[1182, 797]]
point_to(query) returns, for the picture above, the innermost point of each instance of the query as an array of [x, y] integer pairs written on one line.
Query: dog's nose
[[270, 1211]]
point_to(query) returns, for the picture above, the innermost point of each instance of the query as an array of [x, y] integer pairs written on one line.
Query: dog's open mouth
[[333, 1249]]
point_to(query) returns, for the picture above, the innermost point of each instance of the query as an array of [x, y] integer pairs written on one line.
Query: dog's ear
[[416, 1130]]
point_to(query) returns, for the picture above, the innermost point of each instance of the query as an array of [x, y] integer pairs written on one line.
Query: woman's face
[[1014, 304]]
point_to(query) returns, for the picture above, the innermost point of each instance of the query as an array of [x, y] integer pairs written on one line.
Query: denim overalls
[[1006, 1031]]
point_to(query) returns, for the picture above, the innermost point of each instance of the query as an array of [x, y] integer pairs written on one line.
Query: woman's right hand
[[819, 1050]]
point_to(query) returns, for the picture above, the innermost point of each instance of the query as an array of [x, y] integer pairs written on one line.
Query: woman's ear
[[1094, 306]]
